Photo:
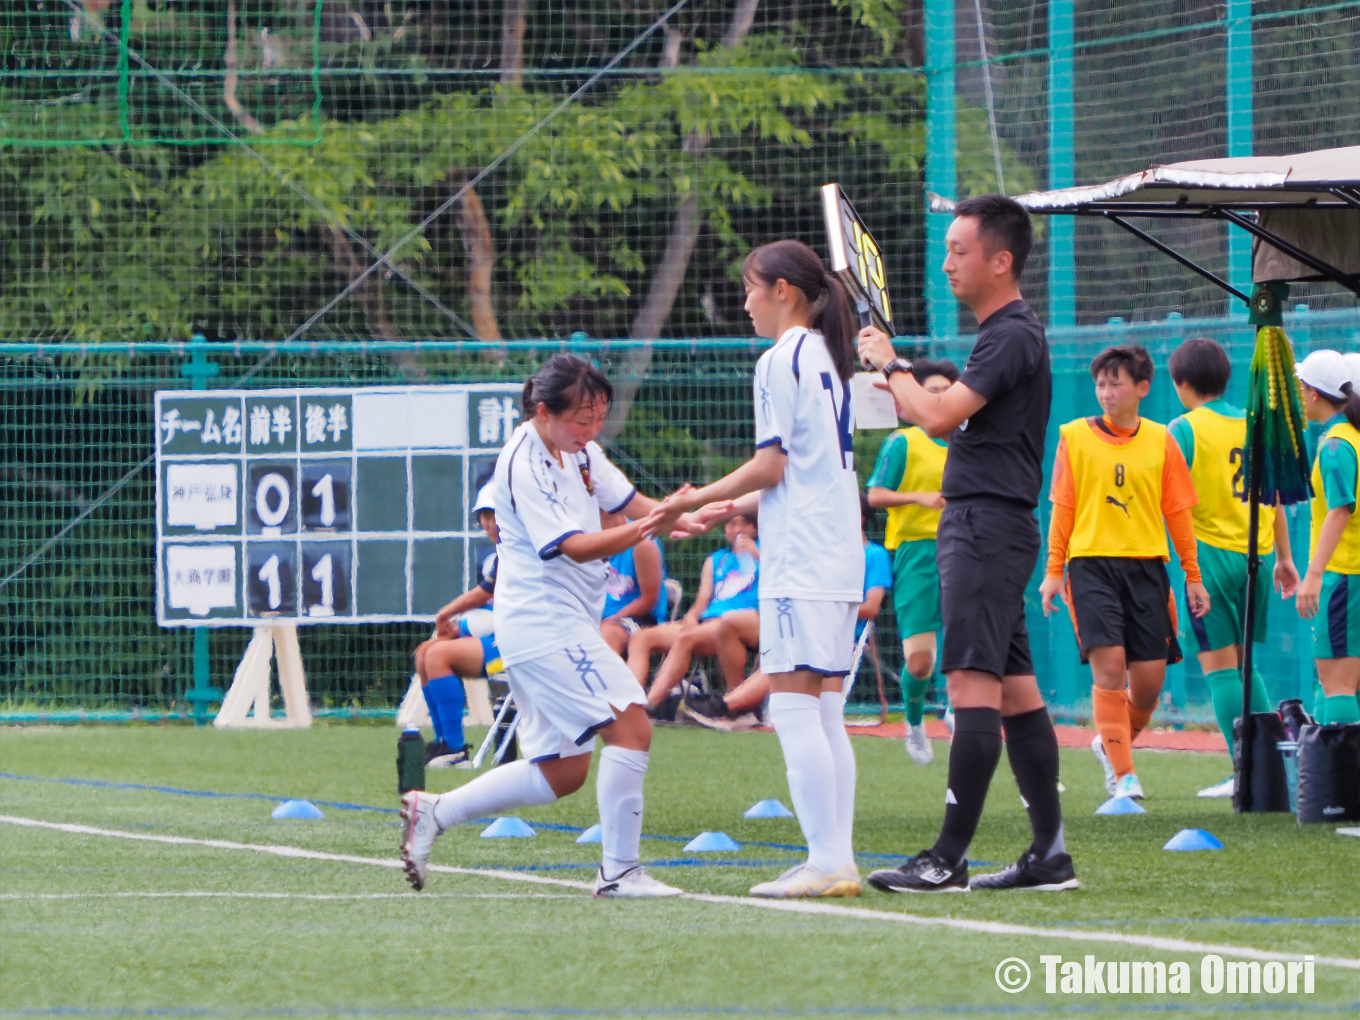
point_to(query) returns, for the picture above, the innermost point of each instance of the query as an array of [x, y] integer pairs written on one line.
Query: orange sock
[[1138, 720], [1111, 710]]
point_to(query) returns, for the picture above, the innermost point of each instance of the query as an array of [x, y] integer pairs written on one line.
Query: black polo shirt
[[997, 455]]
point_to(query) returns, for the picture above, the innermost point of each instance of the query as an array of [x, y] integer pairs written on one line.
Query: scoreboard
[[856, 258], [321, 505]]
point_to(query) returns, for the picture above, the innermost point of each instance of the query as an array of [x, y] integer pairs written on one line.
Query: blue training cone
[[1193, 839], [711, 843], [508, 827], [297, 809], [591, 835], [1121, 806], [771, 808]]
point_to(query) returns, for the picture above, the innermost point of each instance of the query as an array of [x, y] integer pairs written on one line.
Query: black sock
[[972, 760], [1032, 747]]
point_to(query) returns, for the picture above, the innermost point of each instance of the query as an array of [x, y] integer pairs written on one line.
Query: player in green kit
[[906, 481], [1212, 434]]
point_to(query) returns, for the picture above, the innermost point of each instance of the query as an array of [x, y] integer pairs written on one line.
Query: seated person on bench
[[719, 711], [463, 649], [635, 590], [724, 620]]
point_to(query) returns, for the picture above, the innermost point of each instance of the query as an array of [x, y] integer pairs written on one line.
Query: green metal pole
[[942, 310], [198, 371], [1062, 260], [1240, 135]]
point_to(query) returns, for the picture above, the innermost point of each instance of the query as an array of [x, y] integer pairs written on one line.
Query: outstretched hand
[[663, 519]]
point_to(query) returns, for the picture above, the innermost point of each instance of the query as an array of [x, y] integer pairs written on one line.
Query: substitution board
[[856, 258], [321, 505]]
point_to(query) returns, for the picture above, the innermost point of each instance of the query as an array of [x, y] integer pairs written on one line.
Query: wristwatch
[[896, 365]]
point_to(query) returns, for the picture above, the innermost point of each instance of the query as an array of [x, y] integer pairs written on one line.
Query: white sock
[[833, 722], [618, 791], [797, 719], [518, 784]]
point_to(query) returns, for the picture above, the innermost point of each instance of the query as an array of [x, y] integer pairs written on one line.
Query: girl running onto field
[[551, 483], [1330, 590], [802, 478]]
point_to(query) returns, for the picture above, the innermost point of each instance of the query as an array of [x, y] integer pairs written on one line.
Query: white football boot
[[418, 834], [633, 884], [1223, 789], [918, 744], [1129, 786], [1111, 779], [803, 881]]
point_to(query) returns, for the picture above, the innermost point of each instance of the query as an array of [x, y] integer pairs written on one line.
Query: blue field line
[[1000, 1009], [344, 806]]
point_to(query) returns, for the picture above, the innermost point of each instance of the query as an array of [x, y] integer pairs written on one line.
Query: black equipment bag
[[1329, 773], [1266, 788]]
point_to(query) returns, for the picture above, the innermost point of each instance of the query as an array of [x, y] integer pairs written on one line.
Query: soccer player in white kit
[[551, 482], [812, 560]]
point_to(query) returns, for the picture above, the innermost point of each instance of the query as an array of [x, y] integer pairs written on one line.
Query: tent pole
[[1242, 788]]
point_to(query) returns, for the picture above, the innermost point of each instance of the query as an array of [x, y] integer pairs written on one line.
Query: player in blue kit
[[462, 648], [802, 479], [552, 481], [635, 590]]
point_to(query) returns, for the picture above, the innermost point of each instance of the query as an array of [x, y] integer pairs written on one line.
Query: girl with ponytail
[[1329, 593], [802, 480]]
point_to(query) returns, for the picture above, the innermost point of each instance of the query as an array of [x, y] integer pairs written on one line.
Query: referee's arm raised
[[937, 413]]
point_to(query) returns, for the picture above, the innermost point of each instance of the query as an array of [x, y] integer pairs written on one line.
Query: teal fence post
[[199, 370], [1240, 136], [1062, 230], [942, 310]]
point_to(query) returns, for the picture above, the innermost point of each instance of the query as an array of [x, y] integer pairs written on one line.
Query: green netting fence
[[79, 631], [227, 167]]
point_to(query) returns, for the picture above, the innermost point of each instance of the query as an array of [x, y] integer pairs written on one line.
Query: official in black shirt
[[987, 547]]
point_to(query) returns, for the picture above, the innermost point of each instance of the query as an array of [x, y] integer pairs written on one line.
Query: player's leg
[[1149, 644], [1336, 641], [918, 652], [552, 767], [916, 603], [986, 557], [1110, 709], [737, 633], [805, 653], [643, 644], [719, 711], [615, 636], [446, 663], [692, 641]]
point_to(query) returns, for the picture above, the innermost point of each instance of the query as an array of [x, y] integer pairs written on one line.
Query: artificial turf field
[[94, 924]]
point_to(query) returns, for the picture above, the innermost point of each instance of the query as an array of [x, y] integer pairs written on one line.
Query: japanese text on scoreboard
[[321, 505]]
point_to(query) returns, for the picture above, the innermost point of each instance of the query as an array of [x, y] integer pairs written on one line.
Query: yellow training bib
[[924, 473], [1346, 559], [1118, 492], [1220, 475]]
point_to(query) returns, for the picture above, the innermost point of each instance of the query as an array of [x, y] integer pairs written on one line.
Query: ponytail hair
[[1351, 404], [801, 267], [563, 382]]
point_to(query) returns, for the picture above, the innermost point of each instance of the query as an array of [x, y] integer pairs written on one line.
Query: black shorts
[[1123, 602], [986, 555]]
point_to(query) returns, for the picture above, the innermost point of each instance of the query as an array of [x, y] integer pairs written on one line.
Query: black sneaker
[[1029, 872], [438, 755], [665, 712], [926, 872], [711, 706]]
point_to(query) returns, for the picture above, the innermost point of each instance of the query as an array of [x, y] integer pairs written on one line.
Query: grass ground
[[101, 925]]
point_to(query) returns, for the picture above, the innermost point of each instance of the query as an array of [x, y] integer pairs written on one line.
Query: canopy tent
[[1303, 210]]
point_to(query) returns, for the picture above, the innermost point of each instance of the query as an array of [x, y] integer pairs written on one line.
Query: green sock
[[1260, 701], [1340, 708], [1225, 688], [1319, 710], [914, 694]]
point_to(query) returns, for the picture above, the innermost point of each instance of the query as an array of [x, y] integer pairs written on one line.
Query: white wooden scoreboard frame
[[321, 505]]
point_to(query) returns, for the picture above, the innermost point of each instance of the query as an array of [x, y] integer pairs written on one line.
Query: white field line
[[228, 895], [789, 906]]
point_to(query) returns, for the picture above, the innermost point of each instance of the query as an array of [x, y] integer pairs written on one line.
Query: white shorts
[[801, 634], [564, 697]]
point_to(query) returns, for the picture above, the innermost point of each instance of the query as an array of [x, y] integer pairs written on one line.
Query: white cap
[[1326, 371], [1353, 363], [484, 501]]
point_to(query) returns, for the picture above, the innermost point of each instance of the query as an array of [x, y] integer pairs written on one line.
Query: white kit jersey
[[542, 596], [810, 544]]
